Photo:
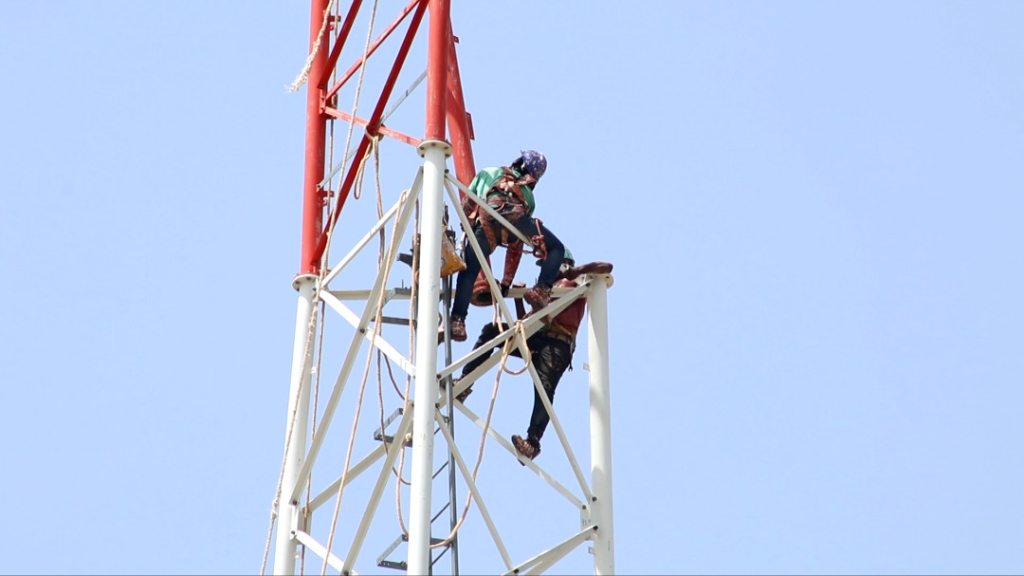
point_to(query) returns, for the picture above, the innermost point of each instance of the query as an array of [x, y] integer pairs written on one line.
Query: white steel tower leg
[[434, 153], [600, 428], [295, 431]]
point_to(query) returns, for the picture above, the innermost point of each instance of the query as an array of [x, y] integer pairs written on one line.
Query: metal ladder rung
[[388, 438], [394, 320], [383, 562]]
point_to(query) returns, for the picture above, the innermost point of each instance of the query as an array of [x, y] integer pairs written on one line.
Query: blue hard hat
[[534, 162]]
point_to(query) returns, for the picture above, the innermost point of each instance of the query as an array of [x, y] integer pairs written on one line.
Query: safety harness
[[507, 198]]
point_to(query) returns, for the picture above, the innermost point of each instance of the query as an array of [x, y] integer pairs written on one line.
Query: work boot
[[538, 296], [530, 447], [458, 326]]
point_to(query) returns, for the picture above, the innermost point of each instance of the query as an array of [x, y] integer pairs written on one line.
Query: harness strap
[[540, 247]]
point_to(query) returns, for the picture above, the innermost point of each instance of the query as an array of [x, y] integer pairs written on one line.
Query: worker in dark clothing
[[509, 190], [551, 351]]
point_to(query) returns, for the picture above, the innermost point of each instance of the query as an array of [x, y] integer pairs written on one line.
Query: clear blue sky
[[813, 208]]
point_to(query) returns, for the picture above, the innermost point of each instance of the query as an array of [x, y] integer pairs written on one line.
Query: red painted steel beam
[[459, 130], [373, 48], [316, 131], [372, 124], [339, 44], [382, 130], [437, 68]]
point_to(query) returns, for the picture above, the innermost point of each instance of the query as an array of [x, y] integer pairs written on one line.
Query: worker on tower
[[551, 350], [509, 190]]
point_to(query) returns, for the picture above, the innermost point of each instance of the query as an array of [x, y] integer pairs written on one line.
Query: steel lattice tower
[[447, 134]]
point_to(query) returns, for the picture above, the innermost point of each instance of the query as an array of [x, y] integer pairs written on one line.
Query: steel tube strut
[[459, 129], [435, 151], [362, 59], [339, 44], [600, 427], [316, 132], [437, 68], [295, 437]]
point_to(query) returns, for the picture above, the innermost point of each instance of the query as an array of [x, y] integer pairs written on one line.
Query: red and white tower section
[[371, 393]]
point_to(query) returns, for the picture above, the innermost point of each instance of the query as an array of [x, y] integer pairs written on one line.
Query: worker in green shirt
[[509, 190]]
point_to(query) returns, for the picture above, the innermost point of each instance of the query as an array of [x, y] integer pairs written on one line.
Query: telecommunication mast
[[426, 411]]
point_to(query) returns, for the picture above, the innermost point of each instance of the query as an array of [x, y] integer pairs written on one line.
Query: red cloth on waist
[[569, 320]]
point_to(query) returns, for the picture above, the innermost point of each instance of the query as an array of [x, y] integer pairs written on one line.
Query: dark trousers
[[466, 278], [550, 356]]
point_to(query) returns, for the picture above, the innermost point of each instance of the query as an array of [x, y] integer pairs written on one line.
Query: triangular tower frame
[[423, 415]]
